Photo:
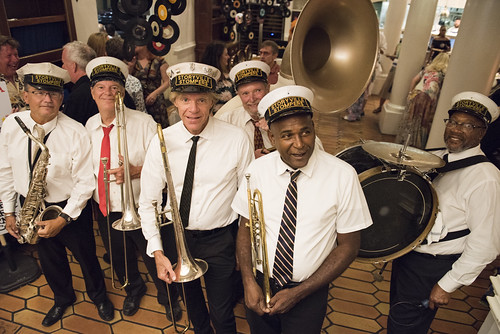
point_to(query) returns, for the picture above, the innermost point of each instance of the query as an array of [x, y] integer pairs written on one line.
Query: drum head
[[403, 212]]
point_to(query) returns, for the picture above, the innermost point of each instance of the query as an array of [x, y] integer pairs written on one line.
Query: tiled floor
[[357, 303]]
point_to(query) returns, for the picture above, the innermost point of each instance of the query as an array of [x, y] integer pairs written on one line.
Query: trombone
[[186, 269], [130, 219], [257, 228]]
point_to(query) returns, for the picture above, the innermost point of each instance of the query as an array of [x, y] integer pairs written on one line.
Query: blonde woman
[[97, 41], [421, 106]]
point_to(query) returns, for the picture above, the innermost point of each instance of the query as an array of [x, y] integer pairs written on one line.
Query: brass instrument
[[34, 209], [257, 228], [186, 269], [130, 219], [334, 50]]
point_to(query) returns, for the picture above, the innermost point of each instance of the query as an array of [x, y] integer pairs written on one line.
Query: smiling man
[[313, 210], [250, 79], [466, 229], [107, 77], [9, 62], [208, 158], [69, 184]]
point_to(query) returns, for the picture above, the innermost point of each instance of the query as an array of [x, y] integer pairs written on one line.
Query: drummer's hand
[[10, 225], [164, 267], [51, 228], [438, 297]]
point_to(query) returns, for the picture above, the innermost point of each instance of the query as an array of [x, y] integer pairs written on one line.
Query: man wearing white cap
[[313, 208], [107, 79], [250, 80], [468, 188], [69, 184], [207, 158]]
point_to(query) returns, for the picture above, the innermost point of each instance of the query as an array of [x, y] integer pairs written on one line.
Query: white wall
[[85, 13]]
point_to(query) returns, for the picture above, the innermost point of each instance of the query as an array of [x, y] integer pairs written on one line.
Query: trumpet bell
[[334, 51]]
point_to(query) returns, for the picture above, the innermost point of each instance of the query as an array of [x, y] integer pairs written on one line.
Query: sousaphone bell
[[334, 50]]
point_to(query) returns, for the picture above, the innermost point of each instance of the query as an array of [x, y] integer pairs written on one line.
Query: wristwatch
[[66, 217]]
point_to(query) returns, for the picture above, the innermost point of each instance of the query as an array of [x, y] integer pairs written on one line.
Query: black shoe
[[177, 311], [54, 315], [106, 310], [105, 258], [131, 304]]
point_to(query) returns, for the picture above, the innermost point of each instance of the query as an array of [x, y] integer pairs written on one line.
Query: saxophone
[[34, 209]]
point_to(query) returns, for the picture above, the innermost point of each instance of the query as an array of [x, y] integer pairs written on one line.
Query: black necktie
[[187, 187]]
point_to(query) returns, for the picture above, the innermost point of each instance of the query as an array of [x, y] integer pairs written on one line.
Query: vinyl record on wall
[[138, 31]]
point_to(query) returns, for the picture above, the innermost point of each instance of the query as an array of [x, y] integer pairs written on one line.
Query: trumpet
[[257, 228], [186, 269], [130, 219]]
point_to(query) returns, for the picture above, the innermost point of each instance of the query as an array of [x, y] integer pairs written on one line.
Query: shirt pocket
[[59, 165]]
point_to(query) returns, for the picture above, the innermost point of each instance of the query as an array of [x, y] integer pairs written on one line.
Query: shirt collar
[[47, 127], [465, 154], [282, 167], [207, 133]]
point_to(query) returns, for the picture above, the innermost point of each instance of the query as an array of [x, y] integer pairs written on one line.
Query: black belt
[[275, 286], [206, 233], [451, 236], [61, 204], [449, 257]]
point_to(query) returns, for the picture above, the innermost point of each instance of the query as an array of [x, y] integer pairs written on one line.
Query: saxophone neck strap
[[33, 163]]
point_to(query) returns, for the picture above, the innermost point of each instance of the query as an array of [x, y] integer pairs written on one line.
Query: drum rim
[[381, 259]]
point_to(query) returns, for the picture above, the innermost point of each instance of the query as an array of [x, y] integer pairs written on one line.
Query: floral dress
[[150, 77], [225, 91], [420, 109]]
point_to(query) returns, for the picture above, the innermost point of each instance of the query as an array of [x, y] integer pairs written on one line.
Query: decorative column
[[473, 63], [392, 31], [411, 58]]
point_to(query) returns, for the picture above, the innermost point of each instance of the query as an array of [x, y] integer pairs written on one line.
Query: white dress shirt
[[468, 198], [223, 153], [140, 128], [329, 201], [241, 118], [69, 173]]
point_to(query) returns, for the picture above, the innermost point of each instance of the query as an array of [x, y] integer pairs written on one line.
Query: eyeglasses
[[466, 127], [43, 93]]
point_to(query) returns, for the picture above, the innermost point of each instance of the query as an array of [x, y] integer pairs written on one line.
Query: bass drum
[[403, 210]]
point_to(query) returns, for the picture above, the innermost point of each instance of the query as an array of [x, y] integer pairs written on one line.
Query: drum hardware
[[257, 228], [402, 202], [403, 155], [186, 269]]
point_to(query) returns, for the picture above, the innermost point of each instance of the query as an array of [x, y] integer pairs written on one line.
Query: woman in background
[[152, 72], [217, 56], [421, 106], [97, 41]]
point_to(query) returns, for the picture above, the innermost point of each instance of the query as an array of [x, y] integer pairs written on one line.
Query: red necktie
[[258, 141], [105, 153]]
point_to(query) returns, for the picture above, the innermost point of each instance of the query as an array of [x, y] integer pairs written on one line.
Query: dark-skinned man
[[314, 209], [466, 234]]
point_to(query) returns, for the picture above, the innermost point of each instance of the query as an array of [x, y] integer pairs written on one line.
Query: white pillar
[[392, 31], [411, 58], [473, 63]]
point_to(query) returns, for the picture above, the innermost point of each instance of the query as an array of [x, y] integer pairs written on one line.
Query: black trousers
[[135, 242], [412, 279], [218, 250], [305, 317], [78, 237]]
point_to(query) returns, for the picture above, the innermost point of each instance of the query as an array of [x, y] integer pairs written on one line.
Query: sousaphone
[[334, 51]]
